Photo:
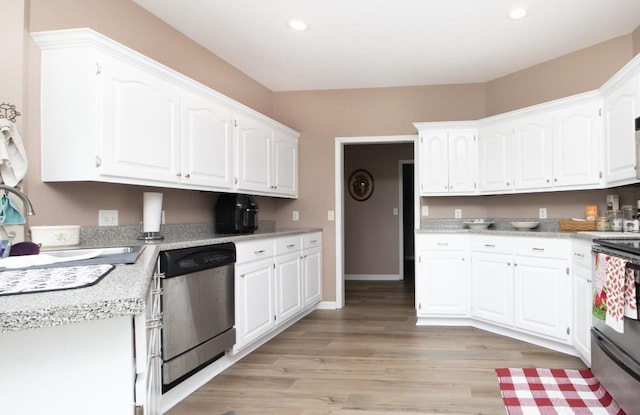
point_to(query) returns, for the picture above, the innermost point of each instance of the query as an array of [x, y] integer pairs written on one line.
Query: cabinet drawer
[[490, 243], [542, 247], [288, 244], [581, 254], [311, 240], [253, 250], [442, 242]]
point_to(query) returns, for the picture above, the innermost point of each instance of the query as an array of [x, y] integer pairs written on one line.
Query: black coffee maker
[[236, 213]]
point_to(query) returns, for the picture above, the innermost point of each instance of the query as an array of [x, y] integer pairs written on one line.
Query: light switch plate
[[296, 215], [457, 213], [331, 216], [424, 210], [543, 213]]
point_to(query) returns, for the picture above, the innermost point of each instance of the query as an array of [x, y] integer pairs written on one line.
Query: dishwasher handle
[[176, 262]]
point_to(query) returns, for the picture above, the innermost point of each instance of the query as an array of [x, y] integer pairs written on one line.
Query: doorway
[[407, 220], [340, 143]]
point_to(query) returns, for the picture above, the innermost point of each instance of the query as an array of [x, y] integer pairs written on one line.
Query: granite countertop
[[124, 290], [548, 228]]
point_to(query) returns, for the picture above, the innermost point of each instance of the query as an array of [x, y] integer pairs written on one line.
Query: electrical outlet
[[424, 210], [162, 217], [543, 213], [331, 216], [296, 215], [107, 218], [395, 211], [457, 213]]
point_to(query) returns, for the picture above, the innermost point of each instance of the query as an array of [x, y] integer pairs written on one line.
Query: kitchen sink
[[74, 257]]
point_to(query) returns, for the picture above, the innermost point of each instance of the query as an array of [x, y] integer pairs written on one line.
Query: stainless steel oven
[[615, 357], [197, 307]]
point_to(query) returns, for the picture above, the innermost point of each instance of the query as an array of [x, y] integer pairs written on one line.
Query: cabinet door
[[288, 271], [140, 123], [542, 298], [577, 139], [620, 110], [312, 265], [582, 301], [462, 162], [533, 153], [442, 283], [255, 309], [434, 163], [492, 288], [254, 158], [496, 158], [285, 164], [207, 142]]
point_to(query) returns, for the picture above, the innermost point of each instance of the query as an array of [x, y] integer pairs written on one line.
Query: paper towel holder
[[152, 217], [150, 236]]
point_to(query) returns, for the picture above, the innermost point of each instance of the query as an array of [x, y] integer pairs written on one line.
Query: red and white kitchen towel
[[614, 296]]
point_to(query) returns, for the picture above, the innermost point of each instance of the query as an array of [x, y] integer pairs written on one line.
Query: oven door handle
[[633, 266], [617, 355]]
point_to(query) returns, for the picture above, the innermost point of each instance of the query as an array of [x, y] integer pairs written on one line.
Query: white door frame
[[339, 196]]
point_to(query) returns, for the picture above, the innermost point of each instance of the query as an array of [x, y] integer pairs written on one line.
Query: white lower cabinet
[[581, 265], [492, 287], [442, 279], [312, 267], [542, 296], [255, 308], [518, 286], [276, 281]]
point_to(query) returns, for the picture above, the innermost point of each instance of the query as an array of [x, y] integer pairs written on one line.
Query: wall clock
[[360, 185]]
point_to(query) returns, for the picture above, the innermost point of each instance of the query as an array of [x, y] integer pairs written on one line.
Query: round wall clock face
[[360, 185]]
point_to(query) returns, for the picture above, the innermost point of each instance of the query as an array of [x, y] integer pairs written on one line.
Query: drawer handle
[[579, 255], [443, 243], [260, 252], [291, 246], [538, 249], [315, 241], [489, 246]]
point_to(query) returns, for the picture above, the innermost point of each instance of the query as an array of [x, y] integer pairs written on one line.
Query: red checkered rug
[[554, 392]]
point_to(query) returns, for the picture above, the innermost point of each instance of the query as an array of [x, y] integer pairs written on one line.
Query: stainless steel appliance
[[197, 308], [637, 128], [615, 357], [236, 213]]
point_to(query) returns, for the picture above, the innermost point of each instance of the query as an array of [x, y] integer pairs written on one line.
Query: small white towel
[[13, 156]]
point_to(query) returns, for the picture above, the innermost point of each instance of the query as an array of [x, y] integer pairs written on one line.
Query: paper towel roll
[[152, 213]]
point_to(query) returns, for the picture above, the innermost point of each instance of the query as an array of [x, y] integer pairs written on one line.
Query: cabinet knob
[[555, 180], [508, 184], [187, 175], [178, 174]]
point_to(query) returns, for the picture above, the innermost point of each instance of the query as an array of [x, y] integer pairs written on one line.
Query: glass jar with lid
[[628, 216], [615, 217], [603, 224]]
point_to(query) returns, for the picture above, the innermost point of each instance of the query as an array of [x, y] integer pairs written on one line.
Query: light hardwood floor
[[370, 358]]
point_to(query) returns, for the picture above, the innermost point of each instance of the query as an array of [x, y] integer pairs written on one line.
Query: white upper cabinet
[[553, 146], [267, 160], [496, 157], [254, 161], [207, 142], [621, 107], [140, 122], [533, 153], [447, 159], [577, 141], [110, 114]]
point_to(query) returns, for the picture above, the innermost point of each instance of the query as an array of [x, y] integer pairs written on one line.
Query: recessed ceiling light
[[297, 24], [518, 13]]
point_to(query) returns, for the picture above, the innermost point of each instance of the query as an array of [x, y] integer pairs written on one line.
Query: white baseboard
[[373, 277], [326, 305]]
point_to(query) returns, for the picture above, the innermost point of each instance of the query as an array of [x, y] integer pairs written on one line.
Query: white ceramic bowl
[[478, 223], [525, 225], [66, 235]]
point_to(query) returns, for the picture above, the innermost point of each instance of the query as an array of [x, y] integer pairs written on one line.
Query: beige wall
[[371, 230], [580, 71], [319, 115]]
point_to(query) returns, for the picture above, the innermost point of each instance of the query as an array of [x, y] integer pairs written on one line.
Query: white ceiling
[[382, 43]]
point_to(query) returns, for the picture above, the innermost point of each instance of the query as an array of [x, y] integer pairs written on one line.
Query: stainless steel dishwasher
[[197, 307]]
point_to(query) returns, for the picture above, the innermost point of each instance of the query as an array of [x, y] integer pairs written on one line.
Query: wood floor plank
[[370, 358]]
